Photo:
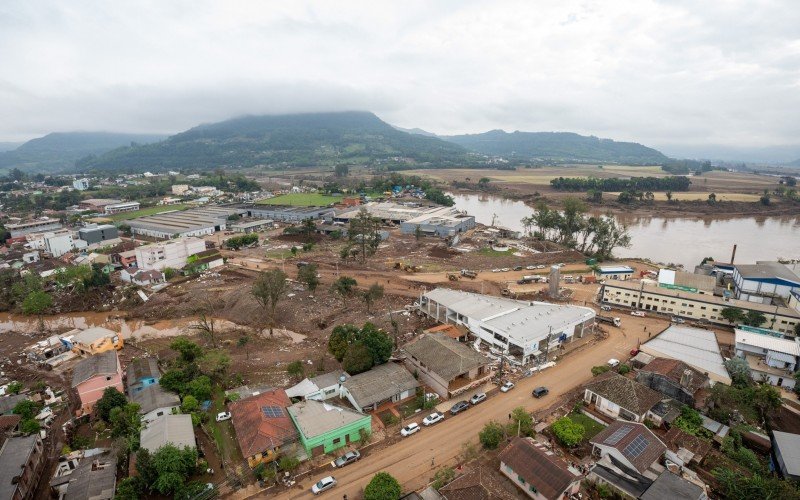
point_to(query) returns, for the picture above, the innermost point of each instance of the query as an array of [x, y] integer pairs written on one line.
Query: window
[[108, 378], [337, 441], [520, 479]]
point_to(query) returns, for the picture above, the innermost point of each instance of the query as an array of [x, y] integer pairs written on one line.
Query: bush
[[111, 399], [357, 359], [15, 387], [567, 432], [597, 370], [288, 463], [295, 369], [623, 369], [382, 487], [443, 476], [491, 435]]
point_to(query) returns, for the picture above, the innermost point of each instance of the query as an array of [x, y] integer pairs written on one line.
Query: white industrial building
[[36, 226], [525, 331], [439, 221], [193, 222], [771, 358], [164, 254], [125, 206], [81, 184], [696, 347]]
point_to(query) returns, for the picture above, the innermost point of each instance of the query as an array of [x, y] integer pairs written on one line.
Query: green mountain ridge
[[309, 139], [557, 146], [58, 151]]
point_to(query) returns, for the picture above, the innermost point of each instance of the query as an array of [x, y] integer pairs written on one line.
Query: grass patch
[[388, 418], [591, 427], [302, 200], [490, 252], [147, 211]]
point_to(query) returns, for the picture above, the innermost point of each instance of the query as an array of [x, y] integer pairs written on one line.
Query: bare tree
[[372, 294], [268, 289], [206, 327]]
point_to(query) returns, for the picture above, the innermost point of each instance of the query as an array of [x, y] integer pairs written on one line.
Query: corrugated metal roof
[[788, 445], [697, 348], [768, 342], [168, 429], [315, 418]]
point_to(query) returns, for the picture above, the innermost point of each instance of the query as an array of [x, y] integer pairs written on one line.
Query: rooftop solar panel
[[617, 436], [272, 411], [636, 447]]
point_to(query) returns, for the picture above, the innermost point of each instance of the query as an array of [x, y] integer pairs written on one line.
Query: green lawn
[[592, 427], [147, 211], [302, 200]]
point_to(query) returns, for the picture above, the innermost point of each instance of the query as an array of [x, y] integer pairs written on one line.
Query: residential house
[[685, 447], [203, 261], [771, 359], [140, 373], [446, 365], [263, 426], [93, 375], [320, 388], [630, 443], [93, 478], [477, 484], [455, 332], [620, 397], [142, 278], [323, 427], [537, 471], [9, 424], [176, 430], [21, 462], [126, 258], [81, 184], [155, 402], [388, 382], [58, 243], [95, 340], [8, 402], [786, 453], [180, 189], [674, 378]]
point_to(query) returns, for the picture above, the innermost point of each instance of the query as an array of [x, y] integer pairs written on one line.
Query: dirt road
[[410, 459]]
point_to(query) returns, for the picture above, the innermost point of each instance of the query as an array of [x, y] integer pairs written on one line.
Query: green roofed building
[[324, 427]]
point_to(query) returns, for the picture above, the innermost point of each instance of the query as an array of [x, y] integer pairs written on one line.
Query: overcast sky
[[657, 72]]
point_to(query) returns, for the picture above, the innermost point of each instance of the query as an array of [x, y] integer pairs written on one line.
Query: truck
[[588, 278], [469, 274], [611, 320], [527, 279]]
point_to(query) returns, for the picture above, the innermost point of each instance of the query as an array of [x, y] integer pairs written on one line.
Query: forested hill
[[557, 146], [286, 140], [59, 151]]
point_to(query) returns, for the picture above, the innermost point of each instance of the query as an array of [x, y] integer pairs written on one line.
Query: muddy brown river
[[680, 240]]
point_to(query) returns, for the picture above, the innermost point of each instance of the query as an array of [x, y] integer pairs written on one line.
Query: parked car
[[223, 415], [678, 320], [638, 313], [478, 398], [613, 362], [505, 269], [459, 407], [409, 429], [507, 386], [530, 268], [605, 308], [302, 263], [432, 418], [324, 484], [496, 270], [346, 459], [540, 266], [634, 351], [540, 391], [518, 268]]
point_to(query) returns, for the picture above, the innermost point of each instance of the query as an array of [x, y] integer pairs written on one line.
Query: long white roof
[[768, 342], [696, 347], [520, 320]]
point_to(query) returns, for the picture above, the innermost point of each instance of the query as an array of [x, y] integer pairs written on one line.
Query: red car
[[634, 352]]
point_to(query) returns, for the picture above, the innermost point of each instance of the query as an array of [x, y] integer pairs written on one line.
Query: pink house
[[93, 375]]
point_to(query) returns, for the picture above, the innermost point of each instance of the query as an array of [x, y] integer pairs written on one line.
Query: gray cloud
[[663, 73]]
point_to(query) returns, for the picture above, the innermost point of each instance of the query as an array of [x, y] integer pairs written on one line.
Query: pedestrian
[[648, 335], [432, 460], [509, 416]]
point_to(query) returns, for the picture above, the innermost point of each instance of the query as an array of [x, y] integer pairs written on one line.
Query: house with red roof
[[263, 425], [537, 471]]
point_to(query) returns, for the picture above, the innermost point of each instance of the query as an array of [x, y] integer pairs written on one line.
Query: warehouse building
[[696, 347], [193, 222], [701, 307], [764, 282], [615, 272], [439, 221], [526, 331], [285, 213], [36, 226], [252, 226], [98, 204], [94, 233]]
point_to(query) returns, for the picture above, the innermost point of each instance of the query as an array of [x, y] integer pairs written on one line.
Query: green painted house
[[324, 428]]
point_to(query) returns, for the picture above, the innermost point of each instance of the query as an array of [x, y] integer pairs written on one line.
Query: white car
[[324, 484], [530, 268], [432, 418], [496, 270], [478, 398], [506, 269], [613, 362], [637, 313], [507, 386], [540, 266], [409, 429], [431, 396], [223, 415]]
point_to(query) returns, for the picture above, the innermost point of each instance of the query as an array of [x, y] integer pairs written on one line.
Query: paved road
[[410, 459]]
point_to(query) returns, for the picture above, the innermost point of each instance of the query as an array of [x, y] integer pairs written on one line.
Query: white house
[[171, 253], [58, 243], [155, 402], [319, 388], [81, 184], [620, 397], [771, 358]]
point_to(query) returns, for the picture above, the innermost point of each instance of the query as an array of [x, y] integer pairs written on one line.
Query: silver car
[[324, 484]]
